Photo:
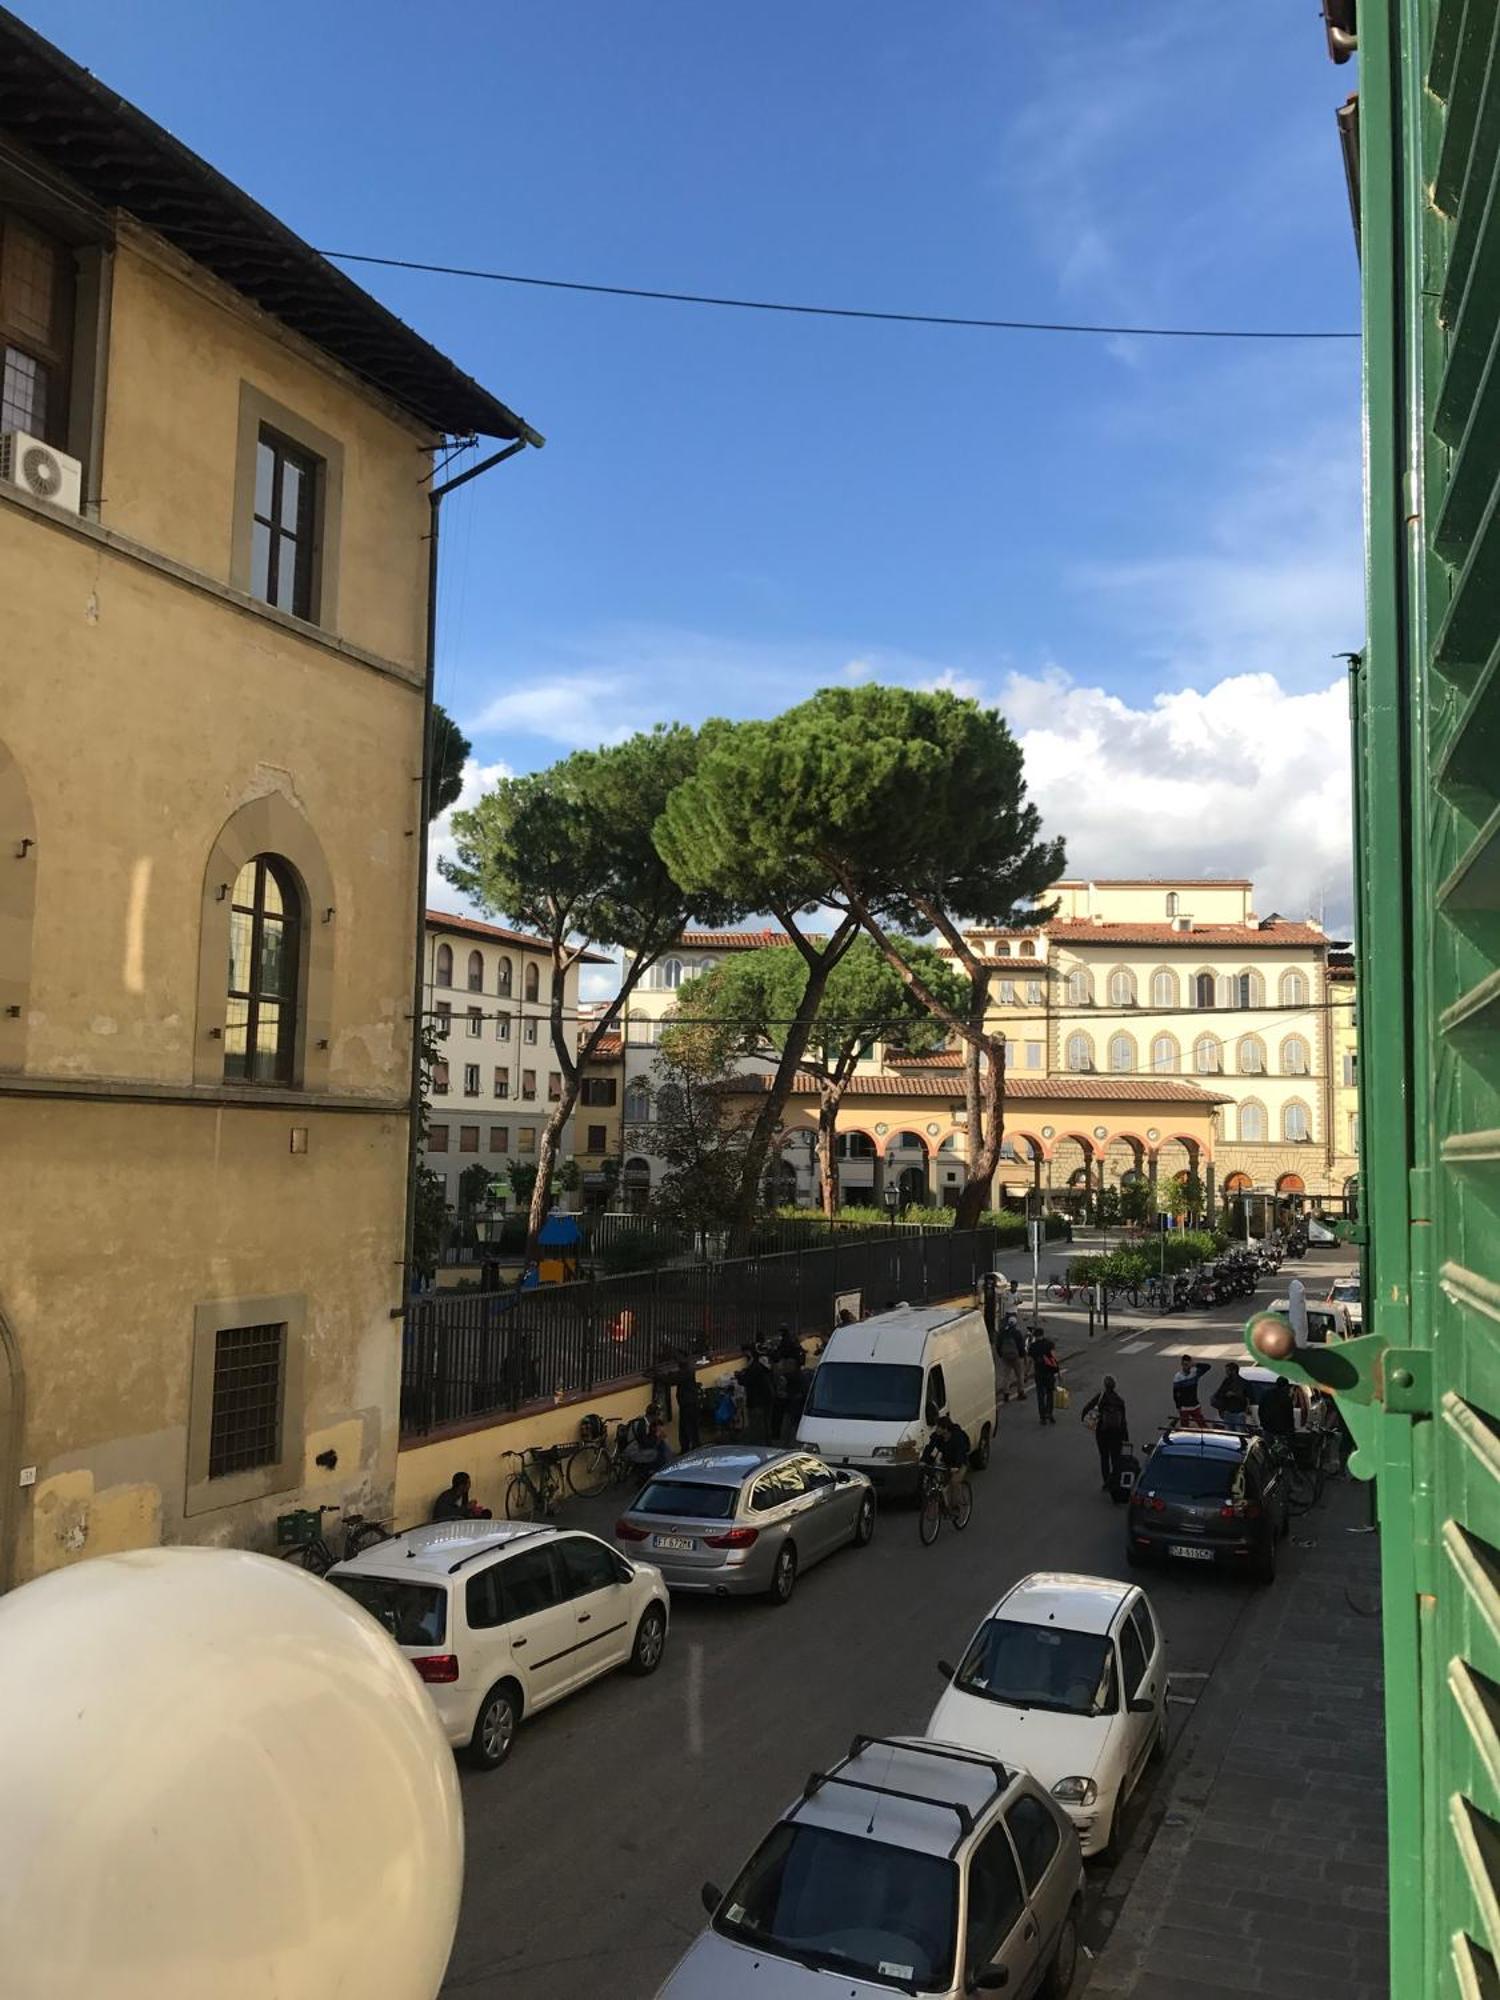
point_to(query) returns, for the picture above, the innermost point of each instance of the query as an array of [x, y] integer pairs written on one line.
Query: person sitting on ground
[[949, 1447], [1231, 1399], [456, 1503], [1185, 1392], [646, 1446]]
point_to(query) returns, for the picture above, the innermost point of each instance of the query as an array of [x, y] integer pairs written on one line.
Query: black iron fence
[[476, 1354]]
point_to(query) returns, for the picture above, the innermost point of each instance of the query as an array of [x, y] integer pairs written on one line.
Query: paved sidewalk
[[1267, 1873]]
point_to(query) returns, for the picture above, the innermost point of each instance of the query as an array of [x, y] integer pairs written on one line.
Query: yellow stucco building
[[214, 560]]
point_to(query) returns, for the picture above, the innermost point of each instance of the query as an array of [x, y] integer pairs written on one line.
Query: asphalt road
[[587, 1850]]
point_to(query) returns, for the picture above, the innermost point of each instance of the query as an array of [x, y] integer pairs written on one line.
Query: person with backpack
[[1011, 1346], [1046, 1368], [1111, 1430], [756, 1380]]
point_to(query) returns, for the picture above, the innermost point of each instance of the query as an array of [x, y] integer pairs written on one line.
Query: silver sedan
[[738, 1519]]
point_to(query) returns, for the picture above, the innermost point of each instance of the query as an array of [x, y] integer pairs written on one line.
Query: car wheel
[[1265, 1569], [981, 1457], [495, 1726], [650, 1641], [864, 1522], [1059, 1975], [784, 1576], [1108, 1850]]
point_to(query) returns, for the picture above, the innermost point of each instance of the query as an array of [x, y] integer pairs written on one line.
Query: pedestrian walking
[[793, 1378], [1046, 1368], [664, 1368], [1231, 1399], [1111, 1430], [1186, 1395], [755, 1379], [1012, 1358]]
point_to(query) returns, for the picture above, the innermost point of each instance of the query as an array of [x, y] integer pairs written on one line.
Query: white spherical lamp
[[220, 1778]]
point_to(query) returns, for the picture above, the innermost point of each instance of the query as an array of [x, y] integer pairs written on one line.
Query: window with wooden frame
[[437, 1138], [599, 1089], [526, 1139], [284, 525], [476, 972], [554, 1086], [260, 1019], [598, 1139], [245, 1425], [528, 1083], [468, 1138], [471, 1079], [443, 1020], [502, 1083], [476, 1022], [499, 1138], [439, 1078], [36, 329]]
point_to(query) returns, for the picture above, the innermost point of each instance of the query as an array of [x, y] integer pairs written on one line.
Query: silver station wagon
[[737, 1520]]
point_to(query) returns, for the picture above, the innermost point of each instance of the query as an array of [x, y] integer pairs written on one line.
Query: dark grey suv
[[1209, 1496]]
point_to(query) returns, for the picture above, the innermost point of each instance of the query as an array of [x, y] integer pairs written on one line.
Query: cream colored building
[[214, 549], [488, 994]]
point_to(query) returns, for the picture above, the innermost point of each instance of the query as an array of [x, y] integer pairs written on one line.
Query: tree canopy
[[569, 854], [450, 752]]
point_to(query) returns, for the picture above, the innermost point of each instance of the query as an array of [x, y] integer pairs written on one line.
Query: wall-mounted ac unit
[[41, 470]]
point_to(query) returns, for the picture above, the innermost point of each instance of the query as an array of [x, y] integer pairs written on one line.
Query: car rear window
[[694, 1499], [1191, 1475], [415, 1614]]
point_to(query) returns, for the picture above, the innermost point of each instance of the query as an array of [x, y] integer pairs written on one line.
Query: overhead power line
[[841, 312]]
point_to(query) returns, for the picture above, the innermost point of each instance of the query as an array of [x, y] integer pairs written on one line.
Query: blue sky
[[1146, 551]]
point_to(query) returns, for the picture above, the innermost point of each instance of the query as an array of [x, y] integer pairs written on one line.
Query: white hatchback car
[[501, 1619], [1067, 1678]]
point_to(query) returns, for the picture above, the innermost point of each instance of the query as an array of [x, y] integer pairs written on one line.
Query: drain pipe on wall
[[435, 501]]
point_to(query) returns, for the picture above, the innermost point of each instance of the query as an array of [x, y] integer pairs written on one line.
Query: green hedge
[[1010, 1227], [1180, 1251]]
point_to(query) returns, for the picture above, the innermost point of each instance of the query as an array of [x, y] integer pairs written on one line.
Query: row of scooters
[[1232, 1276]]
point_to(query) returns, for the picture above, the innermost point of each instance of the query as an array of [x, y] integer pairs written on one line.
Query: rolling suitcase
[[1125, 1478]]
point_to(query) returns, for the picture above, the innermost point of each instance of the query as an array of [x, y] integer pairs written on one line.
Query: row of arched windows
[[1025, 949], [672, 971], [1207, 1055], [1204, 989], [442, 974]]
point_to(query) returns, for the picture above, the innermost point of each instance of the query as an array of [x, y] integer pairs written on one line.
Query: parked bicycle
[[1303, 1465], [300, 1538], [935, 1508], [599, 1460], [1060, 1291], [536, 1489]]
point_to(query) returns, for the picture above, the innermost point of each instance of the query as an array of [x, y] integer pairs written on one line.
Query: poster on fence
[[848, 1307]]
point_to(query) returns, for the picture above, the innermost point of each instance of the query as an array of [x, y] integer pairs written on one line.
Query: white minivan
[[883, 1382]]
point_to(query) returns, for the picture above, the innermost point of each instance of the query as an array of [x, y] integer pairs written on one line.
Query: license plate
[[1190, 1552], [683, 1542]]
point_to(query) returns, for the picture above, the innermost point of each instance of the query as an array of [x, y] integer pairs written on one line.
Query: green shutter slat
[[1474, 210], [1474, 1969], [1472, 888], [1464, 99], [1477, 1699], [1444, 53], [1474, 1019], [1470, 766], [1467, 633], [1475, 470], [1477, 1838], [1471, 323], [1477, 1568]]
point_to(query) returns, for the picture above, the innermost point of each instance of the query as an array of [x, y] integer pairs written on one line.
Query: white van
[[881, 1383]]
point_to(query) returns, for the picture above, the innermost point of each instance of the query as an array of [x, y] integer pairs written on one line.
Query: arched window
[[1122, 1052], [669, 1101], [1080, 986], [1249, 990], [671, 972], [1203, 990], [1295, 1058], [1028, 949], [476, 971], [1165, 1055], [265, 937], [1080, 1053], [1293, 989], [1002, 951], [1253, 1123], [1250, 1056], [502, 986], [637, 1103], [443, 971], [1163, 988], [1174, 903], [533, 981], [1121, 988], [1294, 1122], [1207, 1056]]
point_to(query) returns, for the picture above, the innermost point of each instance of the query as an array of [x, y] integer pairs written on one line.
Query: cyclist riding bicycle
[[949, 1447]]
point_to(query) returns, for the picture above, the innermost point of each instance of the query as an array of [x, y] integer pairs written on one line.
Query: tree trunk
[[546, 1160], [819, 966], [984, 1158], [828, 1117]]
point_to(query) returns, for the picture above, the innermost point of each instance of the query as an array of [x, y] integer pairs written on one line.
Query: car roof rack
[[489, 1548], [1002, 1776]]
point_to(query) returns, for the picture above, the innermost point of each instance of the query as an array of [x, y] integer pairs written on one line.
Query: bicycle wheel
[[589, 1470], [963, 1508], [315, 1557], [930, 1519], [520, 1499], [365, 1537], [1302, 1487]]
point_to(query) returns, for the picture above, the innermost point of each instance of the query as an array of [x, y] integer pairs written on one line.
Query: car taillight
[[1156, 1505], [626, 1531], [732, 1538], [1240, 1510], [437, 1667]]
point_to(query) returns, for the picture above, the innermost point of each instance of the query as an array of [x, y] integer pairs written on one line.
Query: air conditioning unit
[[41, 470]]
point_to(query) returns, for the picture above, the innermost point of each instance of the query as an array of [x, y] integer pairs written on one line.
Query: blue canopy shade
[[560, 1232]]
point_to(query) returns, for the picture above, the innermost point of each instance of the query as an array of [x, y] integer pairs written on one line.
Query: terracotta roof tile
[[1055, 1089], [609, 1050], [733, 940], [1075, 930], [443, 920]]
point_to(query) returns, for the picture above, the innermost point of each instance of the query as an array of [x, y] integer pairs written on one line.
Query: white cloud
[[950, 681], [1237, 778], [565, 710], [478, 779]]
